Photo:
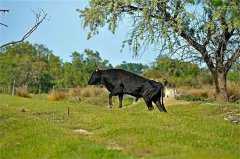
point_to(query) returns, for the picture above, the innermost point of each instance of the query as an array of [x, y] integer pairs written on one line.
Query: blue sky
[[63, 33]]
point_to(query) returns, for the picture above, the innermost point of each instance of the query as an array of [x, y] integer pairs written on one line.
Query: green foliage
[[137, 68], [203, 31], [234, 73], [37, 68], [28, 65], [77, 72], [161, 22], [175, 71], [191, 98]]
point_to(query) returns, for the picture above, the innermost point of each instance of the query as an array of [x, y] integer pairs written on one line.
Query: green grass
[[44, 130]]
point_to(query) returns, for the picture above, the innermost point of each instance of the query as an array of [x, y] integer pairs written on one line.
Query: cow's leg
[[136, 99], [120, 96], [110, 100], [161, 101], [160, 105], [149, 104]]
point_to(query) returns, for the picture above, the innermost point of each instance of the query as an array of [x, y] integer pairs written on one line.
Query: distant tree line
[[37, 68]]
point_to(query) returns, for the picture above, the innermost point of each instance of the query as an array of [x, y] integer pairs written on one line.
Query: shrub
[[23, 92], [56, 95], [154, 74], [190, 98]]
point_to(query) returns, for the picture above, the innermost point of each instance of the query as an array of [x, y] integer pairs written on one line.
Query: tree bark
[[215, 80], [220, 81]]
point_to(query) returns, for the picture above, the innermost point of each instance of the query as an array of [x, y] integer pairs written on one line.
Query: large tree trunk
[[220, 81]]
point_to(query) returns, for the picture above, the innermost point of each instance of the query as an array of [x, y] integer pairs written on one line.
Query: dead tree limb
[[3, 24], [39, 18], [3, 11]]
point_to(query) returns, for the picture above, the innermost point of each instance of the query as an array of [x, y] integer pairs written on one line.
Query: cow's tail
[[162, 95]]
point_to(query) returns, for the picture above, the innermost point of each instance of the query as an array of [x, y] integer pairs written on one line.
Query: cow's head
[[95, 77]]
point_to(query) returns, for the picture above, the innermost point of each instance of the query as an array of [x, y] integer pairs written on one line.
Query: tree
[[208, 31], [29, 65], [175, 71], [55, 69], [137, 68], [78, 71]]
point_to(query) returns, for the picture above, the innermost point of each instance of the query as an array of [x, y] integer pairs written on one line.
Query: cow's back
[[132, 83]]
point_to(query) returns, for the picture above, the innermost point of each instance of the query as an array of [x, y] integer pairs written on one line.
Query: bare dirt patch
[[114, 146], [172, 101], [82, 132], [232, 117]]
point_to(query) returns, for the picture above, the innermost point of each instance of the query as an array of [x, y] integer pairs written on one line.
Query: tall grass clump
[[56, 95], [233, 91], [91, 91], [23, 92], [80, 93], [204, 93], [77, 93], [74, 94]]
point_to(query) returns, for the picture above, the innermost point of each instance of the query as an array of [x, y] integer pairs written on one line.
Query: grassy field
[[36, 128]]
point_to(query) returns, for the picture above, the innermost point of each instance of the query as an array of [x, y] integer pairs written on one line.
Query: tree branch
[[4, 10], [39, 17], [226, 35], [173, 23], [3, 24], [232, 59]]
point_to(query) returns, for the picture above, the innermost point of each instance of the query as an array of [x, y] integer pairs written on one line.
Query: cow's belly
[[136, 92]]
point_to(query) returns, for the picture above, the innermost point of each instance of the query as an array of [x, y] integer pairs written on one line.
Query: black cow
[[119, 82]]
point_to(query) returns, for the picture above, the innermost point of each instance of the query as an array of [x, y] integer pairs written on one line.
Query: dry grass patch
[[23, 92], [92, 91], [233, 91], [76, 94], [56, 95], [206, 91], [89, 91]]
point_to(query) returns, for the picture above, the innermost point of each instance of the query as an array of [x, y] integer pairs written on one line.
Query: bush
[[23, 92], [190, 98], [153, 74], [56, 95]]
